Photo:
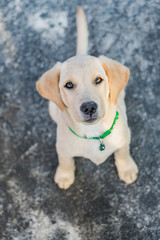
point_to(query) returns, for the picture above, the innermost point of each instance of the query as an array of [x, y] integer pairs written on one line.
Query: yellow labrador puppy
[[87, 102]]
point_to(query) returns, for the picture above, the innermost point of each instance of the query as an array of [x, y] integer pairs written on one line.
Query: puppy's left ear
[[48, 85], [118, 76]]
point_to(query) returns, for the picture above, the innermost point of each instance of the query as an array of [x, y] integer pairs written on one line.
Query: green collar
[[105, 134]]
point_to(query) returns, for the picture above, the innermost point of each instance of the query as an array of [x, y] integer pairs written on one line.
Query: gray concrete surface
[[33, 36]]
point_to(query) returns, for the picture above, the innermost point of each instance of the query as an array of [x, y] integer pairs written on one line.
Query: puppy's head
[[83, 86]]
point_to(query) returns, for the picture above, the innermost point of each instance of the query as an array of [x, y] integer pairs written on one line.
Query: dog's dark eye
[[69, 85], [98, 80]]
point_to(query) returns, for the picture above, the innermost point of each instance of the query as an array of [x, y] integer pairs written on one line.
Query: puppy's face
[[84, 88]]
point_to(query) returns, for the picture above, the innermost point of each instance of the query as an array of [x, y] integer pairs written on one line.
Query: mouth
[[90, 120]]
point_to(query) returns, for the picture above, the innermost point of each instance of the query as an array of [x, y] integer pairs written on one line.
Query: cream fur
[[82, 70]]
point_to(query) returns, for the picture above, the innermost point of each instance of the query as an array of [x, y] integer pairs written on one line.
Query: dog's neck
[[94, 130]]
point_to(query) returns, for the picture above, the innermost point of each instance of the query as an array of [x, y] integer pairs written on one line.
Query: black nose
[[88, 108]]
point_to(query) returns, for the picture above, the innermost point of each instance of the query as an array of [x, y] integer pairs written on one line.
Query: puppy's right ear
[[118, 76], [48, 86]]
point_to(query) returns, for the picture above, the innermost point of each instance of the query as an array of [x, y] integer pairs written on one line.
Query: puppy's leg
[[65, 173], [126, 167]]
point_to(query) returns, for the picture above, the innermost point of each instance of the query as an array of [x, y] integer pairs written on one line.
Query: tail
[[82, 33]]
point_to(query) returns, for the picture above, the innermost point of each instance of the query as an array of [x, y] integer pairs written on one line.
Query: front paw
[[127, 172], [64, 177]]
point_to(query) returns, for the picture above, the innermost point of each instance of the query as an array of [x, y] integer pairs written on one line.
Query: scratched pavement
[[34, 35]]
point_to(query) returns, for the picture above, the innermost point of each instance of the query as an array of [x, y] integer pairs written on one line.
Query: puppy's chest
[[90, 148]]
